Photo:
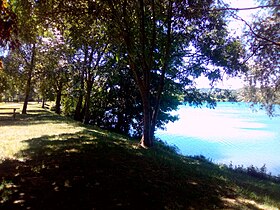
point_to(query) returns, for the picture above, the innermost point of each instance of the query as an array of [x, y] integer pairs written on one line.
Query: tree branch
[[255, 34], [247, 8]]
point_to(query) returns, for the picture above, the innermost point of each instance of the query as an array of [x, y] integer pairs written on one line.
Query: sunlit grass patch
[[38, 123], [11, 104]]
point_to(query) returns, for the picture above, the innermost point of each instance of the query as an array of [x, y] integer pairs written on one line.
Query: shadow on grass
[[93, 170], [80, 171]]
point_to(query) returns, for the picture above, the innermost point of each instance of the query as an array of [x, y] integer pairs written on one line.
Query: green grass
[[52, 162], [35, 124]]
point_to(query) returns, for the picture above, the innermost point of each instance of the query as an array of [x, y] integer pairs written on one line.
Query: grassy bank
[[51, 162]]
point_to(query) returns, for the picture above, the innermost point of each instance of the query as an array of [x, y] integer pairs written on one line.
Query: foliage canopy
[[154, 49]]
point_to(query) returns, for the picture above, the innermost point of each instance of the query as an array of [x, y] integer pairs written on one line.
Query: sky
[[234, 26]]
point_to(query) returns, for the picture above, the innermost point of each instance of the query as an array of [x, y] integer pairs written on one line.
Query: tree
[[25, 52], [54, 65], [88, 60], [116, 102], [86, 35], [170, 39], [13, 78], [163, 41], [264, 45]]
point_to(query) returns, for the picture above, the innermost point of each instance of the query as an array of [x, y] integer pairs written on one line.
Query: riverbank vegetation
[[52, 162]]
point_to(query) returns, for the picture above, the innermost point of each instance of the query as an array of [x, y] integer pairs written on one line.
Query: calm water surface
[[232, 132]]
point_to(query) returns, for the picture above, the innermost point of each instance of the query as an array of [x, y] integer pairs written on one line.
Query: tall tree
[[171, 39], [28, 39], [54, 64], [85, 34], [116, 102], [91, 46]]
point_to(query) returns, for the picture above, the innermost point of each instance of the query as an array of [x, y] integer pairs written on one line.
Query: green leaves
[[263, 42], [8, 24]]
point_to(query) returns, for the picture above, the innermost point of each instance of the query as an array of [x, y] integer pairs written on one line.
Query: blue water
[[230, 133]]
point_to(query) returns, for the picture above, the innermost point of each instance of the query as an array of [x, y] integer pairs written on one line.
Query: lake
[[230, 133]]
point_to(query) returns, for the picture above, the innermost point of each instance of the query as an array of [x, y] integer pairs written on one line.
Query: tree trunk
[[43, 102], [142, 70], [27, 91], [30, 67], [156, 107], [57, 103], [87, 101], [120, 123], [148, 136], [78, 111], [58, 99]]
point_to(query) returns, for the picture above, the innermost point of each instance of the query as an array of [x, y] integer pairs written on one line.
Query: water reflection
[[229, 133]]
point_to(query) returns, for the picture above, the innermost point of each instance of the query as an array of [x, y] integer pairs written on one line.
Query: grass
[[51, 162], [37, 123]]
